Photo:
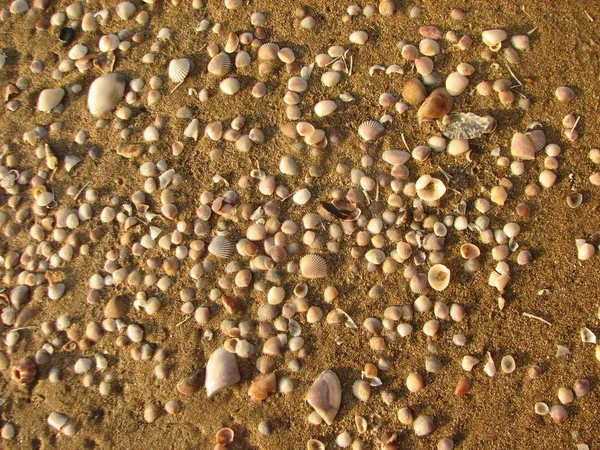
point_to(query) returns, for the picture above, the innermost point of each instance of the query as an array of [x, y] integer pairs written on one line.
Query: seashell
[[430, 189], [331, 78], [221, 371], [508, 364], [438, 104], [117, 307], [463, 387], [359, 37], [564, 93], [125, 10], [429, 47], [220, 65], [105, 92], [413, 92], [587, 337], [179, 69], [325, 396], [274, 346], [50, 98], [362, 390], [230, 86], [297, 84], [221, 247], [325, 107], [191, 384], [302, 196], [19, 296], [233, 41], [370, 130], [262, 387], [314, 444], [456, 84], [58, 421], [492, 38], [424, 66], [538, 139], [439, 277], [313, 266], [256, 232], [423, 425], [490, 366], [521, 147], [224, 436], [541, 409], [268, 51], [265, 364], [24, 371], [469, 251], [467, 126]]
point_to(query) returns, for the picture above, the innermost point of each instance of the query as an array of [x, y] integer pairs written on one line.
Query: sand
[[498, 412]]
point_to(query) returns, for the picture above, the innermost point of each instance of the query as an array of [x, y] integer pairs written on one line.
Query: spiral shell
[[179, 69], [24, 371], [220, 65], [370, 130], [413, 92], [313, 266], [220, 247]]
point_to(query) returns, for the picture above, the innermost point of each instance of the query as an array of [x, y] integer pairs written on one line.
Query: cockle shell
[[221, 371], [220, 65], [325, 396], [221, 247], [313, 266], [362, 390], [439, 277], [325, 107], [436, 105], [424, 65], [268, 51], [179, 69], [49, 99], [413, 92], [105, 92], [370, 130], [430, 189], [125, 10], [262, 387], [230, 86]]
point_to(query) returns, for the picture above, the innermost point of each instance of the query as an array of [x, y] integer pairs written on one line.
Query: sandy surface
[[498, 413]]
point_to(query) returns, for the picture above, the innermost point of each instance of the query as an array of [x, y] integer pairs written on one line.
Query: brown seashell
[[463, 387], [370, 130], [325, 396], [224, 436], [265, 364], [24, 371], [438, 104], [414, 92], [313, 266], [220, 65], [191, 384], [273, 346], [130, 151], [262, 387], [117, 307]]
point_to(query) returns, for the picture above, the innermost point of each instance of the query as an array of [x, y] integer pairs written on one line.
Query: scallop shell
[[370, 130], [313, 266], [220, 65], [538, 139], [262, 387], [430, 189], [265, 364], [267, 312], [273, 346], [179, 69], [413, 92], [325, 396], [268, 51], [439, 277], [221, 371], [436, 105], [125, 10], [362, 390], [221, 247], [105, 92]]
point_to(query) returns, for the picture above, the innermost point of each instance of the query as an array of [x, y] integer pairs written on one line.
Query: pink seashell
[[325, 395], [221, 371]]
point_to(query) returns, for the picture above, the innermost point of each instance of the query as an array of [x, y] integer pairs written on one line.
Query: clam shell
[[232, 43], [456, 83], [439, 277], [370, 130], [262, 387], [424, 65], [221, 371], [362, 390], [179, 69], [325, 107], [430, 189], [221, 247], [331, 78], [313, 266], [224, 436], [436, 105], [230, 86], [49, 99], [413, 92], [325, 396], [268, 51], [469, 251], [457, 146], [105, 92], [220, 65]]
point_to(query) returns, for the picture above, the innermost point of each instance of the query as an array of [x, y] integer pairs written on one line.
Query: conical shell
[[262, 387], [439, 277], [436, 105], [313, 266], [220, 65], [105, 92], [221, 371], [370, 130], [179, 69], [362, 390], [221, 247], [325, 396], [413, 92]]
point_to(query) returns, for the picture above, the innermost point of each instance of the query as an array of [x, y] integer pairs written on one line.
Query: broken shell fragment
[[262, 387], [521, 147], [325, 396], [221, 371]]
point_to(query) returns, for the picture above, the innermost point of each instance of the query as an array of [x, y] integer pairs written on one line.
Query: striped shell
[[220, 65], [179, 69], [220, 247], [313, 266], [413, 92], [362, 390], [268, 51], [370, 130], [230, 86], [424, 66]]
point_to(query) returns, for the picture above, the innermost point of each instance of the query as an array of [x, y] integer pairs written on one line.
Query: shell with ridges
[[220, 65], [413, 92], [370, 130], [179, 69], [220, 247], [268, 51], [362, 390], [313, 266]]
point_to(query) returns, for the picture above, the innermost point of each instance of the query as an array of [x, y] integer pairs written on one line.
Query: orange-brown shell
[[436, 105], [24, 371], [262, 387]]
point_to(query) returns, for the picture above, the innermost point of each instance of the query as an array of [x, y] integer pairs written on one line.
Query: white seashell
[[125, 10], [233, 41], [71, 161], [220, 65], [192, 130], [508, 364], [230, 86], [370, 130], [58, 420], [221, 371], [490, 366], [587, 337], [19, 7], [430, 189], [221, 247], [331, 78], [268, 51], [325, 396], [108, 43], [439, 277], [313, 266], [458, 146], [78, 51], [325, 107], [456, 84], [49, 99], [302, 196], [359, 37], [179, 69], [105, 92], [492, 38]]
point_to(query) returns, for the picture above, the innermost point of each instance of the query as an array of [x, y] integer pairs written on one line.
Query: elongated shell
[[436, 105], [439, 277], [220, 65], [221, 371], [313, 266], [325, 396], [105, 92], [179, 69], [370, 130], [221, 247]]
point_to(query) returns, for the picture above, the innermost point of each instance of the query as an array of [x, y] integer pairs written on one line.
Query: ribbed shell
[[230, 86], [179, 69], [413, 92], [424, 66], [267, 312], [220, 65], [362, 390], [268, 51], [370, 130], [220, 247], [313, 266]]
